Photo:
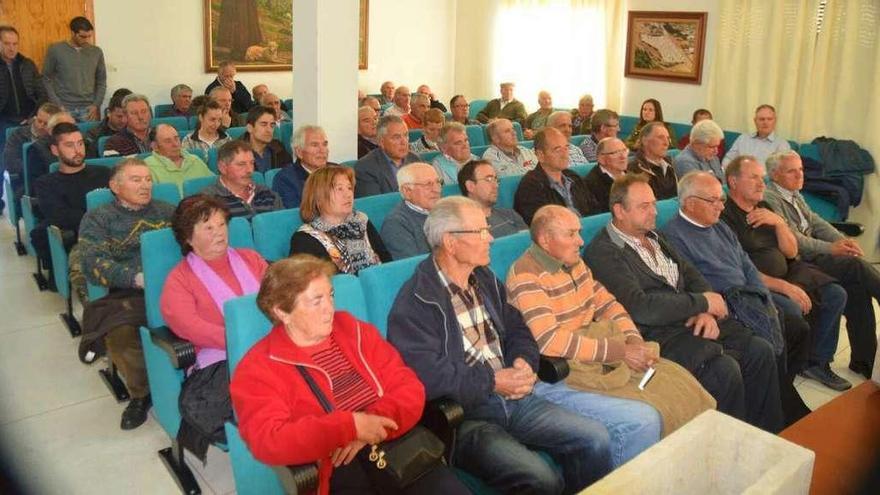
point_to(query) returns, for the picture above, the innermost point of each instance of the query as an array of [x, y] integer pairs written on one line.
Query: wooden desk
[[845, 435]]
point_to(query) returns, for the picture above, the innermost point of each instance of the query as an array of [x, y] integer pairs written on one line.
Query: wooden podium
[[845, 435]]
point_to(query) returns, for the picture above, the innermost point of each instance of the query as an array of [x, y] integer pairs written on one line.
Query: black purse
[[398, 463]]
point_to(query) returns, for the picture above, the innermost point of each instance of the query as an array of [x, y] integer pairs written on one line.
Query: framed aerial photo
[[666, 46], [256, 34]]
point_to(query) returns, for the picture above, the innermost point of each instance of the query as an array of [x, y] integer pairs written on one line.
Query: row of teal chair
[[369, 296]]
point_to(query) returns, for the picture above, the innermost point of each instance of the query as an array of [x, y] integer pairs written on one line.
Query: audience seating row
[[368, 296]]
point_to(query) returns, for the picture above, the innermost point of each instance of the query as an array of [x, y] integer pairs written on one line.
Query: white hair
[[445, 217], [690, 183], [386, 121], [705, 131], [551, 120], [419, 96], [298, 140], [406, 174], [776, 159]]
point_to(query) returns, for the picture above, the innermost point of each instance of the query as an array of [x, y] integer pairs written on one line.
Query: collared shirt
[[249, 191], [517, 163], [393, 166], [395, 110], [590, 148], [564, 190], [423, 145], [481, 342], [759, 147], [688, 161], [263, 163], [575, 155], [792, 198], [654, 257], [691, 220], [416, 208]]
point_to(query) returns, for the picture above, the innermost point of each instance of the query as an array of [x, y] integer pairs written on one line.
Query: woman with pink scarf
[[192, 305]]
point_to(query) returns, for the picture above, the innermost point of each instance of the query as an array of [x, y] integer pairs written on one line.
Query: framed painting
[[256, 34], [666, 46]]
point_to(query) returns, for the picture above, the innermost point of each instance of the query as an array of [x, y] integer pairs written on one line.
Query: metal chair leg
[[111, 378], [39, 277], [69, 319], [172, 458]]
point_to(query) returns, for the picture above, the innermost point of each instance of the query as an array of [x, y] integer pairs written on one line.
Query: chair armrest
[[553, 369], [852, 229], [442, 416], [182, 353], [302, 478]]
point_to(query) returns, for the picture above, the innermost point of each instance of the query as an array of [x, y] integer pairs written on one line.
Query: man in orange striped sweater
[[555, 291]]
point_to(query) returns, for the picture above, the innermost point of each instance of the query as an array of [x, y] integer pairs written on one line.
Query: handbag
[[398, 463]]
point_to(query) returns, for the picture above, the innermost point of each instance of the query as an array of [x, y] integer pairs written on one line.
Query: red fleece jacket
[[281, 420]]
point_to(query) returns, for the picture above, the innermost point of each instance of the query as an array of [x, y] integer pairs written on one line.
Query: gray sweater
[[74, 77], [403, 232]]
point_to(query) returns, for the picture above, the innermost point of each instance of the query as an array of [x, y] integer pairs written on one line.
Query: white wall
[[149, 46], [679, 100], [411, 43]]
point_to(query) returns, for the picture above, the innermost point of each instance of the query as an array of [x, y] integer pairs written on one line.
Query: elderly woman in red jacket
[[192, 306], [373, 394]]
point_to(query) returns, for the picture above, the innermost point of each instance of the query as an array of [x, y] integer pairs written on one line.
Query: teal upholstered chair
[[592, 225], [167, 356], [476, 136], [195, 186], [377, 207], [507, 190], [61, 274], [506, 250], [273, 230], [245, 326], [666, 209], [476, 107]]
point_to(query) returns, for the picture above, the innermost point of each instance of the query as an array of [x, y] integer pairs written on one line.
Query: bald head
[[166, 142], [557, 230]]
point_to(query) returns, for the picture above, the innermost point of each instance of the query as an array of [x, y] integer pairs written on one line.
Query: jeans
[[633, 425], [494, 441], [862, 283], [81, 114], [824, 319]]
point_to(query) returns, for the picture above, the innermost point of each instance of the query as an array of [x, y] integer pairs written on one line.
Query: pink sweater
[[188, 308]]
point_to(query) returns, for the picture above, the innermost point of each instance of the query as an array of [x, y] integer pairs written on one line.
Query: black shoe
[[135, 413], [822, 373], [861, 368]]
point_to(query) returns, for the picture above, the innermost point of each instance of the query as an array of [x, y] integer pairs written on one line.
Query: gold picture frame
[[666, 46], [256, 34]]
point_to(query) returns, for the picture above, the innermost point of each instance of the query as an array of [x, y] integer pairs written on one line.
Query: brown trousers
[[125, 350]]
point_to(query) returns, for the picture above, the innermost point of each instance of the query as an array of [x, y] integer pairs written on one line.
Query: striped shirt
[[350, 391], [481, 342], [557, 301], [653, 256]]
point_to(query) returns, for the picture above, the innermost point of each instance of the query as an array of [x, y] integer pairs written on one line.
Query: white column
[[325, 71]]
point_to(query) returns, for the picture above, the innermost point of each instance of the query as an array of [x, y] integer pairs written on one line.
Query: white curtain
[[764, 52], [823, 77], [567, 47], [843, 95]]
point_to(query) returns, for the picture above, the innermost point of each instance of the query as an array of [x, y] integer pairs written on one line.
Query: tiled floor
[[59, 426]]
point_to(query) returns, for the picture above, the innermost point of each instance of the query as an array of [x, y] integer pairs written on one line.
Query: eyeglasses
[[491, 179], [712, 201], [484, 232], [624, 151], [430, 183]]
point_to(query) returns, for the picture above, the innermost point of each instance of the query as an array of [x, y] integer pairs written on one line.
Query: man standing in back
[[74, 73]]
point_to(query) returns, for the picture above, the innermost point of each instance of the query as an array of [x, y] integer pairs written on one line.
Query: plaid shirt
[[481, 342], [654, 256]]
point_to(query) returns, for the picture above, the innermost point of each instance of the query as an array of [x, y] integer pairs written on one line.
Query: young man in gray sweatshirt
[[74, 73]]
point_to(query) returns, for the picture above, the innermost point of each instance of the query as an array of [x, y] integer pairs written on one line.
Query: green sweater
[[514, 111], [163, 170], [110, 241]]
